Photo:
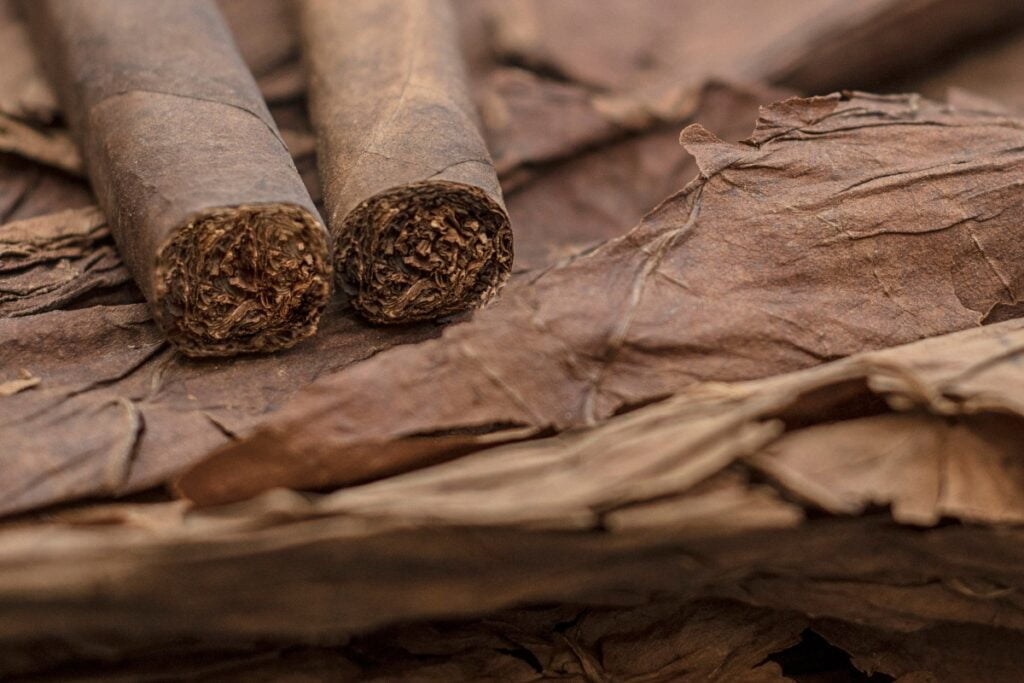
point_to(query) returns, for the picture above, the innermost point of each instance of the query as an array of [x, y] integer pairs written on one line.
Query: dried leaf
[[660, 500], [54, 148], [965, 469], [565, 196], [810, 45], [989, 70], [947, 652], [702, 641], [65, 233], [50, 261], [642, 41], [117, 410], [846, 223], [264, 31], [28, 190], [24, 91]]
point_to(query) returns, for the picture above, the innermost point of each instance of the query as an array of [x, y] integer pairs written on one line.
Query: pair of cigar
[[203, 199]]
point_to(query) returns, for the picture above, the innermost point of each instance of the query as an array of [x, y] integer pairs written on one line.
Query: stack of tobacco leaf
[[749, 408]]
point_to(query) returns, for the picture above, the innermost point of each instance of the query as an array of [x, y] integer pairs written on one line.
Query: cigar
[[412, 199], [201, 194]]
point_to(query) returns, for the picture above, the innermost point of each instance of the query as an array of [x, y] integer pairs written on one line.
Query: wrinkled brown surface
[[203, 199], [702, 641], [577, 174], [949, 652], [49, 261], [412, 198], [670, 498], [846, 223], [115, 409], [28, 190]]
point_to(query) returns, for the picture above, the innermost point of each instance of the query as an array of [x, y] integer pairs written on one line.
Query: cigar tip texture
[[423, 251], [241, 279]]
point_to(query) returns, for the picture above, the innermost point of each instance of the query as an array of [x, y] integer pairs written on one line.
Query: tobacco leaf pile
[[751, 407]]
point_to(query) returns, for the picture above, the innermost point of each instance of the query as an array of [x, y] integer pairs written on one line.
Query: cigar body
[[411, 196], [202, 197]]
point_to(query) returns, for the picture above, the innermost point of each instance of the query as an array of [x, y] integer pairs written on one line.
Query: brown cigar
[[419, 227], [200, 192]]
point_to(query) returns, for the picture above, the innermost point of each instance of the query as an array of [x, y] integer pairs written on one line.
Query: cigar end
[[243, 279], [423, 251]]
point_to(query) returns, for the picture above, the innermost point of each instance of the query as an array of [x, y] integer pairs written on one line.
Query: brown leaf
[[51, 261], [639, 41], [117, 411], [655, 502], [667, 640], [965, 469], [947, 652], [569, 192], [810, 45], [989, 70], [24, 91], [54, 148], [55, 250], [268, 41], [264, 31], [846, 223], [28, 190]]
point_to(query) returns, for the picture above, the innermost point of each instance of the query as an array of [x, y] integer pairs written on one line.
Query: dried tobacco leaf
[[24, 91], [845, 223], [662, 500], [665, 640], [943, 385], [809, 45], [637, 42], [530, 121], [268, 41], [53, 261], [989, 70], [54, 148], [49, 261], [28, 190], [264, 31], [592, 176], [709, 640], [204, 201], [420, 231], [965, 469], [116, 410], [946, 652]]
